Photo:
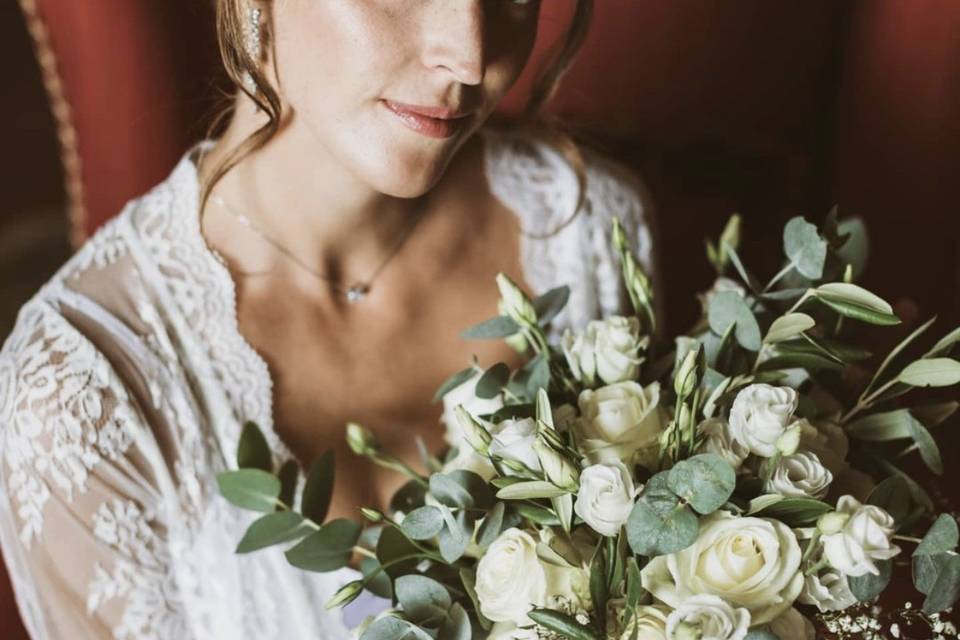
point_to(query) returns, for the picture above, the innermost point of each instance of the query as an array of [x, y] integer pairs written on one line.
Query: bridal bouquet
[[729, 484]]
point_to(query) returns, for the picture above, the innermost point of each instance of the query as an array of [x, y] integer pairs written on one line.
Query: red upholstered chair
[[767, 108]]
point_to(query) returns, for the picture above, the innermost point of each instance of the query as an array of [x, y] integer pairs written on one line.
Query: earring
[[252, 46]]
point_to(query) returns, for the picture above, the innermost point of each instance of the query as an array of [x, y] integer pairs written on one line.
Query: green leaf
[[869, 586], [318, 490], [856, 250], [289, 472], [946, 589], [926, 569], [469, 581], [491, 526], [456, 626], [916, 491], [945, 344], [788, 327], [454, 381], [328, 549], [761, 634], [882, 427], [634, 583], [539, 375], [531, 489], [499, 327], [393, 628], [455, 535], [931, 372], [271, 529], [448, 492], [927, 446], [892, 495], [796, 512], [729, 308], [396, 553], [804, 247], [705, 481], [566, 625], [423, 523], [408, 497], [659, 524], [492, 381], [550, 304], [377, 580], [848, 293], [943, 536], [598, 583], [538, 515], [745, 275], [810, 361], [897, 351], [857, 312], [251, 489], [424, 600], [253, 452]]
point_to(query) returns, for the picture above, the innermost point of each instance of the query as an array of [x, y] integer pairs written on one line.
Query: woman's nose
[[454, 38]]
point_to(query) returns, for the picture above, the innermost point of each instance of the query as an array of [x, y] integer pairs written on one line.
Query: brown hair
[[232, 35]]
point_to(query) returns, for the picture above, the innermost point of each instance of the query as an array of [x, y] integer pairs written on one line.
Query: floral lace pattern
[[116, 418]]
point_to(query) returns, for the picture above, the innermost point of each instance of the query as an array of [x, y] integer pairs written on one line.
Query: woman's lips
[[430, 127]]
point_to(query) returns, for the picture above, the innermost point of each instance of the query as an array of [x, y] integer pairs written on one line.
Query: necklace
[[357, 291]]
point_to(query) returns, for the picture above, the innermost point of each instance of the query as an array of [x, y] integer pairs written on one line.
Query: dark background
[[769, 109]]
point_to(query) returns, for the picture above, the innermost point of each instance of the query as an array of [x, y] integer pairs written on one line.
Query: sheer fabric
[[124, 386]]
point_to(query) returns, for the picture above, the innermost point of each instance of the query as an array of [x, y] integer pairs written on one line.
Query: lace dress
[[124, 386]]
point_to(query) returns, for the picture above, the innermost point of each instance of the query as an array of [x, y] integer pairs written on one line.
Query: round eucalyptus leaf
[[423, 523], [805, 247], [943, 536], [394, 628], [659, 524], [457, 625], [492, 381], [931, 372], [424, 600], [729, 308], [869, 586], [328, 549], [706, 481], [788, 327], [927, 446]]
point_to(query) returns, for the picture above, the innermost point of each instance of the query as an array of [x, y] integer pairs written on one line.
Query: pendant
[[357, 292]]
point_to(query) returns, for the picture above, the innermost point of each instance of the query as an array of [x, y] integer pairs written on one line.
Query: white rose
[[607, 350], [510, 578], [865, 537], [717, 439], [828, 591], [648, 622], [709, 618], [760, 416], [749, 562], [800, 475], [465, 394], [513, 442], [605, 498], [621, 422], [793, 625]]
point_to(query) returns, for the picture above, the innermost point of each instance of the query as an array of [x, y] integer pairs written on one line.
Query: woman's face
[[343, 65]]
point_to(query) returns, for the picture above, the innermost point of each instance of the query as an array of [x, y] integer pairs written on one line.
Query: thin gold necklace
[[354, 293]]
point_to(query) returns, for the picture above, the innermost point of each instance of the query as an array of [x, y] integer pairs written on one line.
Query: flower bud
[[515, 303], [473, 432], [371, 514], [685, 380], [347, 594], [557, 468], [833, 522], [361, 441], [789, 442]]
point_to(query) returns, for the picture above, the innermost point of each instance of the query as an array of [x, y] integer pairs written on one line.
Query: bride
[[312, 266]]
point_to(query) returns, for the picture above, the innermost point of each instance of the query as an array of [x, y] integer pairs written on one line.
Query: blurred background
[[769, 109]]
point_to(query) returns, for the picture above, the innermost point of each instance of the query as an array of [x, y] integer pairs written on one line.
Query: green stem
[[787, 269], [814, 568]]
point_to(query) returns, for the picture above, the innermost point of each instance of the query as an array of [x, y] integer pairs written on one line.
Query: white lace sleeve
[[81, 517]]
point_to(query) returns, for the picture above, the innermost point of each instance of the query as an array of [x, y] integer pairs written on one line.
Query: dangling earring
[[252, 46]]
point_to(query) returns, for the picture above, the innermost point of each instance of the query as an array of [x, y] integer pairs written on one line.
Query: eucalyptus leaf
[[539, 375], [318, 490], [253, 452], [288, 475], [468, 579], [659, 524], [746, 276], [856, 250], [705, 481], [761, 633], [455, 536], [377, 581], [538, 515], [273, 528], [550, 304], [931, 372], [491, 526], [449, 492], [456, 626], [730, 308], [869, 586], [424, 600], [492, 382], [892, 495], [788, 327], [454, 381], [251, 489], [394, 628], [943, 536], [499, 327], [804, 247], [946, 589], [396, 552], [926, 569], [423, 523], [328, 549]]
